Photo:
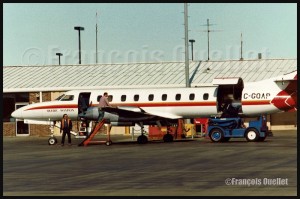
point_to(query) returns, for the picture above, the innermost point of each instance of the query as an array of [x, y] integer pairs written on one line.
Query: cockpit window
[[60, 97], [67, 98]]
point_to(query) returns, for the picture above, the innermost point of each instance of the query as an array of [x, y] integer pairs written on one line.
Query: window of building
[[192, 96], [151, 97], [123, 98], [205, 96], [178, 97], [136, 97], [164, 97]]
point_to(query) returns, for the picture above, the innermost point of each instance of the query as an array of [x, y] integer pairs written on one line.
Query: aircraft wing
[[136, 112]]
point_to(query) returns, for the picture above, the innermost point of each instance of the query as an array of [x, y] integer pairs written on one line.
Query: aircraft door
[[229, 96], [83, 101]]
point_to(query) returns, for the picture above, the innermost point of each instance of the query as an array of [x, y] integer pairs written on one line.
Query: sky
[[145, 32]]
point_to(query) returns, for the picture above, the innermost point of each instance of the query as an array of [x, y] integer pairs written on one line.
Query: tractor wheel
[[216, 135], [252, 135]]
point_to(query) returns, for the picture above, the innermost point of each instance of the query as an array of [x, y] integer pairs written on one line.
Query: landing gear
[[142, 139], [52, 141]]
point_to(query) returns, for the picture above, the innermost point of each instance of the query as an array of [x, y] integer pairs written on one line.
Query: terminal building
[[24, 85]]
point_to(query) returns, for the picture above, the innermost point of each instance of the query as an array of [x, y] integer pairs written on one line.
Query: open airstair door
[[229, 96], [83, 102]]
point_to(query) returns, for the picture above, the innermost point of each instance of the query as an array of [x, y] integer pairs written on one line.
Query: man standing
[[103, 102], [66, 127]]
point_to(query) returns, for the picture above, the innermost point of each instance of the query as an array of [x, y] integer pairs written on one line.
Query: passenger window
[[110, 98], [164, 97], [136, 97], [178, 97], [123, 98], [205, 96], [192, 96], [151, 97], [67, 98], [99, 97]]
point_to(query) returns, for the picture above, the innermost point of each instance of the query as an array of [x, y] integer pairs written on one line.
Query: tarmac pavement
[[191, 167]]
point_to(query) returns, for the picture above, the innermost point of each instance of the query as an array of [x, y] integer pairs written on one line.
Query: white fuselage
[[254, 98]]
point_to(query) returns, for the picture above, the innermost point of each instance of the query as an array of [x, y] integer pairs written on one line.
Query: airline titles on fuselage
[[61, 110]]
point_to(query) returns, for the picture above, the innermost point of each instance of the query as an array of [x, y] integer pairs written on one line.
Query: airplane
[[226, 97]]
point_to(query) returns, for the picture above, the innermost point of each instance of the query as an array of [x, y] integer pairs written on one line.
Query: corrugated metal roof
[[169, 74]]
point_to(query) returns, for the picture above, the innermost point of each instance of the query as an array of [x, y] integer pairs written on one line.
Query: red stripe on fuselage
[[53, 107], [255, 102]]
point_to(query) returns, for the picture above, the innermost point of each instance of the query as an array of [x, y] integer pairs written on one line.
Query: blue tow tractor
[[222, 129]]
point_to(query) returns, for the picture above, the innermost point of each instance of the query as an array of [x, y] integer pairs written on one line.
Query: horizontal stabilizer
[[287, 77]]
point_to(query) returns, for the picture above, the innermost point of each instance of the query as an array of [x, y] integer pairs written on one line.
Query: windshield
[[60, 97], [67, 98]]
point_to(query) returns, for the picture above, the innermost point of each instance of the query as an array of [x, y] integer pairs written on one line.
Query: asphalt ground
[[191, 167]]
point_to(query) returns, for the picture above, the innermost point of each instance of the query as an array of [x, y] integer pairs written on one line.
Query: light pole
[[192, 41], [59, 54], [79, 29]]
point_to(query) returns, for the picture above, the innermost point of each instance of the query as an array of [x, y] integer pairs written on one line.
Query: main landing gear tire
[[52, 141], [252, 135], [142, 139], [168, 138], [216, 135]]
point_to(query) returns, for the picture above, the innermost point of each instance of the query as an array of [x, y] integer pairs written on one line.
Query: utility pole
[[96, 37], [187, 76], [79, 29], [241, 59]]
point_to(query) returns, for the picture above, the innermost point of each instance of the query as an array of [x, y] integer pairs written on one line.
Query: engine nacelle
[[91, 113]]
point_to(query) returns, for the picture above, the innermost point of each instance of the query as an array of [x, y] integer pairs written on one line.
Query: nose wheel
[[52, 141]]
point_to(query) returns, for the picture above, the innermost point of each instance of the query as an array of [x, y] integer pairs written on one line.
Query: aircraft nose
[[17, 114]]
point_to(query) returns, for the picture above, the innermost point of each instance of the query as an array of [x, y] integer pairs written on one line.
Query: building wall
[[34, 97], [284, 121], [9, 129]]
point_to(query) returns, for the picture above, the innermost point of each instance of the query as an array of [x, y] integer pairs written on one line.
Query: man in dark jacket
[[66, 127]]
